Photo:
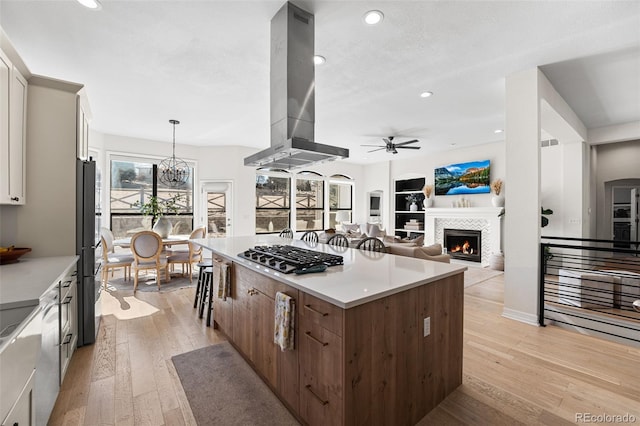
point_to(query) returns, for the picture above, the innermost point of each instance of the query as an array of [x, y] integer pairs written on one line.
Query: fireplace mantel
[[469, 212], [484, 219]]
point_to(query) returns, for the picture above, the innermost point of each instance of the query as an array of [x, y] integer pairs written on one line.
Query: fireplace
[[463, 244]]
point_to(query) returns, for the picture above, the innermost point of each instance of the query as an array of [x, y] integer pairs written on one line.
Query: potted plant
[[157, 209], [496, 187], [427, 190], [548, 255]]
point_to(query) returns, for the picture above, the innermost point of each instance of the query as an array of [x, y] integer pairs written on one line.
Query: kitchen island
[[378, 340]]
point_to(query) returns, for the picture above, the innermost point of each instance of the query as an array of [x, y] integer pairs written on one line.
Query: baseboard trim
[[520, 316]]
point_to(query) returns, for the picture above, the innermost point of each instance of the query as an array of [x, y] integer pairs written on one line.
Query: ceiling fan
[[392, 147]]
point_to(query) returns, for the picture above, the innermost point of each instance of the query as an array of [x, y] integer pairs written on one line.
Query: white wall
[[562, 180], [615, 162], [47, 222], [532, 102], [218, 163], [425, 166]]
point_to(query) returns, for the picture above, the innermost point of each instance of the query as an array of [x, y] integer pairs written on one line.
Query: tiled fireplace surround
[[484, 219]]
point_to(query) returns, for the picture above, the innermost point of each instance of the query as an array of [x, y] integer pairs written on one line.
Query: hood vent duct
[[293, 96]]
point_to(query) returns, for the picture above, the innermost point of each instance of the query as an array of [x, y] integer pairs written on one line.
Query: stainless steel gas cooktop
[[288, 259]]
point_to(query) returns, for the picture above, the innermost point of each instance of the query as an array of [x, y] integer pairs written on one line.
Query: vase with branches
[[427, 190], [496, 187]]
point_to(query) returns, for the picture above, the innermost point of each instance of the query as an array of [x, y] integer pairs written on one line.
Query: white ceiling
[[206, 63]]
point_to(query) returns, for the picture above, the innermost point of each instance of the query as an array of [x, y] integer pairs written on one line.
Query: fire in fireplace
[[463, 244]]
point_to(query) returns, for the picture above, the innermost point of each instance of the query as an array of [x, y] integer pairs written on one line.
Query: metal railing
[[589, 284]]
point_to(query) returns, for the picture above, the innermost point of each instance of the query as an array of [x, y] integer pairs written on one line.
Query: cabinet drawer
[[322, 313], [321, 358], [318, 407], [265, 285], [67, 303]]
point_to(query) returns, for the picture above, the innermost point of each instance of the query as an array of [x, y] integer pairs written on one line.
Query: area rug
[[473, 276], [223, 390], [148, 283]]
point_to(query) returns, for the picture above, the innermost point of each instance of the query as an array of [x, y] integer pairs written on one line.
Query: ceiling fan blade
[[408, 147], [407, 143], [374, 150], [378, 146], [388, 140]]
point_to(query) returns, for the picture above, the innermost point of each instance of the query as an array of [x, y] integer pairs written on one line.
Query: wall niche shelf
[[408, 223]]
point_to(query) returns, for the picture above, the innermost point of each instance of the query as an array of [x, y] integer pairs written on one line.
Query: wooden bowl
[[13, 255]]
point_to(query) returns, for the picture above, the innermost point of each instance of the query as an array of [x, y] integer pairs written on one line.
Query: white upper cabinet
[[13, 112]]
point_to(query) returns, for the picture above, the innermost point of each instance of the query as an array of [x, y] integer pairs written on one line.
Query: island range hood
[[293, 96]]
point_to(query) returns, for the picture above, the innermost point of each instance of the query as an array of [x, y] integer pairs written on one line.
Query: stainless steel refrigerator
[[87, 239]]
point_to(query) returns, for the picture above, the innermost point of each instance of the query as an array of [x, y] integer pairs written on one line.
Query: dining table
[[167, 242]]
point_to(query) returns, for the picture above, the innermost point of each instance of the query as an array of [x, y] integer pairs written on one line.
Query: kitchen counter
[[364, 277], [377, 340], [22, 283]]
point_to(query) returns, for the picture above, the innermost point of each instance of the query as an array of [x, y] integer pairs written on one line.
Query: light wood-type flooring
[[513, 373]]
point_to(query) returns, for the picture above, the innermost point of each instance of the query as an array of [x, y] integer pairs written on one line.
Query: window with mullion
[[340, 199], [273, 205], [134, 183], [310, 203]]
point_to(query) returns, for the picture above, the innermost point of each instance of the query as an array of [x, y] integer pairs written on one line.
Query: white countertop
[[22, 283], [365, 276]]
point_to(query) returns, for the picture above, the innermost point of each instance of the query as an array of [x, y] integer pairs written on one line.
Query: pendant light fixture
[[173, 171]]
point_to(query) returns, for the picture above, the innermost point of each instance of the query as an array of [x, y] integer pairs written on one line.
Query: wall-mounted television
[[472, 177]]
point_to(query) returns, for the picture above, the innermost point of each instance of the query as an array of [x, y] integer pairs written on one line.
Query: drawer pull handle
[[315, 339], [322, 401], [67, 339], [66, 284], [15, 199], [324, 314], [67, 300]]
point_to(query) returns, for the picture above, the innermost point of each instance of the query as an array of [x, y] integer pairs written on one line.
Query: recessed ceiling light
[[373, 17], [426, 94], [91, 4], [498, 131], [319, 60]]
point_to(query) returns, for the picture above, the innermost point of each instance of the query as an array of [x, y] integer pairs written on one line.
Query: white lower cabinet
[[23, 411], [68, 322]]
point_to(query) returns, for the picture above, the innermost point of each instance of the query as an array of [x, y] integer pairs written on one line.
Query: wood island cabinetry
[[368, 364]]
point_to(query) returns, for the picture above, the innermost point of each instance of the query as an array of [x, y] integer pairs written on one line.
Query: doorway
[[216, 210], [625, 216]]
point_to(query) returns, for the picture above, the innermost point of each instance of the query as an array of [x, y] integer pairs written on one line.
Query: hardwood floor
[[513, 373]]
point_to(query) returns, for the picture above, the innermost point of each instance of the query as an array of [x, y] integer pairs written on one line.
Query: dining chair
[[310, 237], [338, 240], [109, 238], [111, 261], [188, 257], [286, 233], [372, 244], [147, 253]]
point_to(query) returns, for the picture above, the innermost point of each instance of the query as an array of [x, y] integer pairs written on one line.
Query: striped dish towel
[[285, 312], [222, 279]]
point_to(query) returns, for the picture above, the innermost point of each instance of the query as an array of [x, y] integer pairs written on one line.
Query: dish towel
[[284, 333], [222, 279]]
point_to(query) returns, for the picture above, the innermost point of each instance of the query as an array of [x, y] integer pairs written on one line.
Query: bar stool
[[199, 288], [206, 293]]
